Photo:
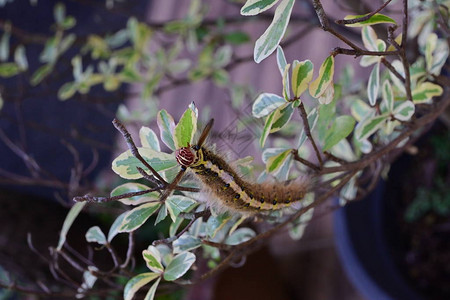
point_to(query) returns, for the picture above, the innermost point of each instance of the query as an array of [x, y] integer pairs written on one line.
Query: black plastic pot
[[364, 241]]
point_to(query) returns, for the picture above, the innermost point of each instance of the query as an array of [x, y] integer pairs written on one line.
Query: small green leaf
[[340, 129], [404, 111], [302, 73], [67, 90], [151, 292], [425, 91], [153, 260], [166, 126], [9, 69], [373, 85], [367, 127], [114, 229], [125, 164], [185, 129], [177, 204], [254, 7], [136, 217], [270, 39], [179, 265], [266, 103], [95, 234], [325, 78], [239, 236], [40, 74], [375, 19], [266, 129], [135, 283], [274, 162], [149, 139], [236, 38], [71, 216], [131, 187]]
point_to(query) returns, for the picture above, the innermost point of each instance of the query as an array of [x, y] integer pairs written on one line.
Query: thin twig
[[307, 129], [365, 18]]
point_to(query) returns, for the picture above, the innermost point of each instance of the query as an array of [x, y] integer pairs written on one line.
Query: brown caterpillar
[[231, 191]]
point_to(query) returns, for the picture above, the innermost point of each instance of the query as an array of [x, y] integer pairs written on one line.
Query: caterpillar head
[[187, 156]]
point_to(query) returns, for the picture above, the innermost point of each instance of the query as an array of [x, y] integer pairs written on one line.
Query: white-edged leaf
[[149, 139], [178, 266], [367, 127], [135, 283], [373, 85], [95, 234], [136, 217], [166, 126], [281, 60], [375, 19], [125, 164], [369, 38], [274, 162], [71, 216], [324, 79], [270, 39], [151, 292], [186, 242], [114, 229], [254, 7], [302, 73], [152, 259], [404, 111], [176, 204], [282, 117], [388, 95], [266, 103], [239, 236], [425, 91], [131, 187], [266, 129]]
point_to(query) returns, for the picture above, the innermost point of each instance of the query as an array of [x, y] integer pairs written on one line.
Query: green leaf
[[186, 242], [373, 85], [266, 129], [151, 292], [166, 126], [125, 164], [185, 129], [135, 283], [302, 73], [270, 39], [236, 38], [375, 19], [215, 224], [425, 91], [40, 74], [404, 111], [162, 214], [266, 103], [114, 229], [274, 162], [360, 109], [9, 69], [178, 266], [388, 95], [95, 234], [325, 78], [254, 7], [239, 236], [220, 77], [136, 217], [340, 129], [368, 126], [67, 90], [177, 204], [71, 216], [222, 56], [282, 117], [131, 187], [153, 259], [149, 139]]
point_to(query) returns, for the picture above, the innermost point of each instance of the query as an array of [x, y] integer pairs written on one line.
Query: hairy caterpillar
[[231, 191]]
